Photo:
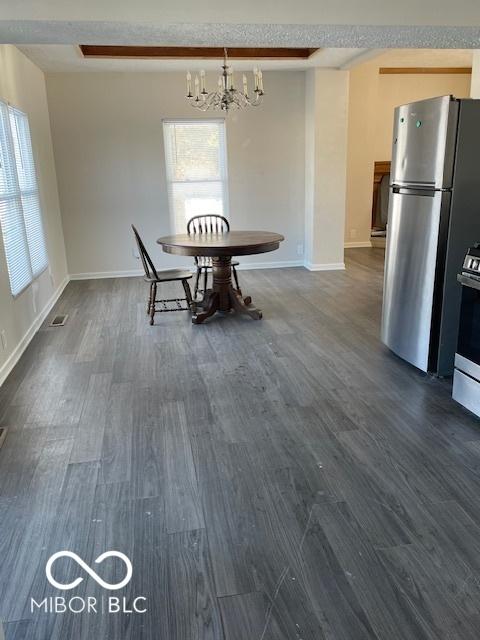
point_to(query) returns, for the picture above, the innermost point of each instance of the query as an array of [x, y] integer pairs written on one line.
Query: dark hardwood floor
[[274, 480]]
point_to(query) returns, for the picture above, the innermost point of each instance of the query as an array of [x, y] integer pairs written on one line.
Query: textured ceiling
[[250, 12], [229, 34], [66, 58]]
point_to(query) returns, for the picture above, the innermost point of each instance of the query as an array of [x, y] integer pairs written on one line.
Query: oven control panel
[[471, 264]]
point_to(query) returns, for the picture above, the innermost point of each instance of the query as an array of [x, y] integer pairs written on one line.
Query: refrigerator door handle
[[414, 191]]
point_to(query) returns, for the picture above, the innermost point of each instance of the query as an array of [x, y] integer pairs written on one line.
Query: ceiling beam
[[241, 34], [205, 53], [424, 70]]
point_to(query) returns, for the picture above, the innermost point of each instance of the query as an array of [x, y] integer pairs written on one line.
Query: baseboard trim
[[333, 266], [269, 265], [357, 245], [95, 275], [380, 242], [16, 354]]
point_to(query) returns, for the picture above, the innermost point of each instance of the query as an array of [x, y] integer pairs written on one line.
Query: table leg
[[209, 307], [223, 296], [244, 305]]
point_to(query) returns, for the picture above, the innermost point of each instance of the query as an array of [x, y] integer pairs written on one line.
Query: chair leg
[[152, 305], [149, 303], [188, 294], [205, 280], [197, 279], [235, 277]]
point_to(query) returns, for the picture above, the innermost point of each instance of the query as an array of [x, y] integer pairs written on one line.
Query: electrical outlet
[[135, 253], [353, 233], [299, 249], [3, 339]]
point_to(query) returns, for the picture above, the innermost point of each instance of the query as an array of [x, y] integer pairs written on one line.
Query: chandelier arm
[[226, 97]]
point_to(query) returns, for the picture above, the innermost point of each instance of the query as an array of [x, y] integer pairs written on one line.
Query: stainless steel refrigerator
[[433, 218]]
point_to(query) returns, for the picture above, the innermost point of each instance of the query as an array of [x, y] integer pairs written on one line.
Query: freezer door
[[424, 135], [410, 266]]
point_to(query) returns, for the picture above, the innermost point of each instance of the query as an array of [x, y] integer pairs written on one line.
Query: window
[[20, 215], [196, 161]]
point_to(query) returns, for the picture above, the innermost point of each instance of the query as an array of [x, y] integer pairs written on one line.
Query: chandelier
[[226, 96]]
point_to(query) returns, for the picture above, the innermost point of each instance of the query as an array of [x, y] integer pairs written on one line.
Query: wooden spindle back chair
[[148, 266], [154, 277], [208, 224], [202, 225]]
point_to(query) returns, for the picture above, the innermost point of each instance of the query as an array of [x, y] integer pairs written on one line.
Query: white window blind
[[196, 162], [20, 215]]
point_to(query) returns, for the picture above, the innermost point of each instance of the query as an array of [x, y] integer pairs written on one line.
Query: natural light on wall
[[196, 162], [20, 215]]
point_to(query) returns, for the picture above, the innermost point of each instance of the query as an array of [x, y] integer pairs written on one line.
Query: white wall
[[362, 110], [326, 111], [475, 83], [108, 141], [373, 98], [23, 85], [394, 90]]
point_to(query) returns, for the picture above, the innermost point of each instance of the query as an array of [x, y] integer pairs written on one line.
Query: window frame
[[223, 162], [19, 195]]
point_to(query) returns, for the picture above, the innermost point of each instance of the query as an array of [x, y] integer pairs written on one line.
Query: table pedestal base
[[223, 296]]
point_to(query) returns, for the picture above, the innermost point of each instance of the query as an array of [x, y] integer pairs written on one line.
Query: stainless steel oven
[[466, 378]]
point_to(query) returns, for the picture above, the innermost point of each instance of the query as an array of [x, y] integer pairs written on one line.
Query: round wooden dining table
[[220, 247]]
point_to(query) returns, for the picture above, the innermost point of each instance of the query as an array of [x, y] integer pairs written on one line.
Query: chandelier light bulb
[[255, 78]]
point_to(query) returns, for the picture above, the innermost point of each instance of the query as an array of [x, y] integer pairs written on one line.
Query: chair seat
[[206, 262], [169, 275]]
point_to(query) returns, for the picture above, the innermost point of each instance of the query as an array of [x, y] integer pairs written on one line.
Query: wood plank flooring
[[274, 480]]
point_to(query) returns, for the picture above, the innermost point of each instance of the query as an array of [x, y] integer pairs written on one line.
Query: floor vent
[[3, 435], [59, 321]]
